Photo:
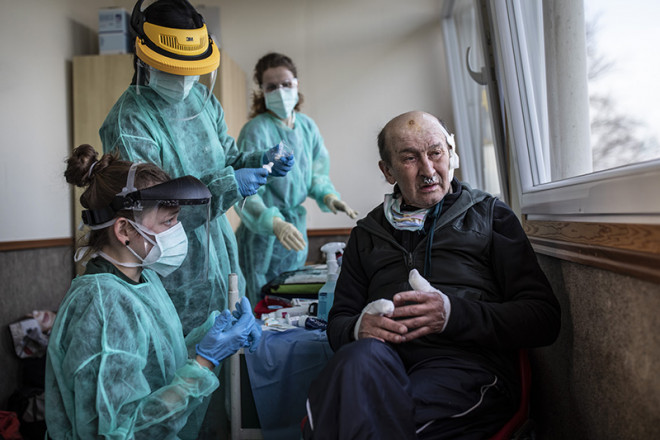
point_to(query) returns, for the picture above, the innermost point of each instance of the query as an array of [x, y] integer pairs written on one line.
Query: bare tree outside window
[[617, 137]]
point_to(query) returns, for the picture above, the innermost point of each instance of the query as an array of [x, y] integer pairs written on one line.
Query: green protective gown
[[144, 127], [117, 365], [262, 257]]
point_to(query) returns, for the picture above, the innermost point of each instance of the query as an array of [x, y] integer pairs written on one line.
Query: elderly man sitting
[[438, 291]]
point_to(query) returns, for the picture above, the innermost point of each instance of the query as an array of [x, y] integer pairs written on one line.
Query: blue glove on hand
[[250, 179], [281, 158], [282, 166], [244, 311], [224, 338]]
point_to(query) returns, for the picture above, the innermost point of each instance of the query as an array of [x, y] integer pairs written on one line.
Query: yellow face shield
[[178, 51]]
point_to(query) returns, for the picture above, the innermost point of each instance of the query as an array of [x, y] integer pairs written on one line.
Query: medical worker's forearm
[[224, 191], [204, 362]]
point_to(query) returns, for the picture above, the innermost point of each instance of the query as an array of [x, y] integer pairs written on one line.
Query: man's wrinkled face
[[419, 159]]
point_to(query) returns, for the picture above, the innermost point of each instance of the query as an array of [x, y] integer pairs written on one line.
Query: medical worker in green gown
[[272, 236], [168, 116], [117, 364]]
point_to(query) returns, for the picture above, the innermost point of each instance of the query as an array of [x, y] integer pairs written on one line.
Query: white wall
[[37, 40], [360, 63]]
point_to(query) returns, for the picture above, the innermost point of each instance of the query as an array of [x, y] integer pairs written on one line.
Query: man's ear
[[385, 169]]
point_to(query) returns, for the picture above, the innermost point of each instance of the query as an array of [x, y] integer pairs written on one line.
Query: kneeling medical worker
[[117, 363]]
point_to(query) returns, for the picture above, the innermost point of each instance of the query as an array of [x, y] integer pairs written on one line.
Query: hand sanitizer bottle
[[327, 292]]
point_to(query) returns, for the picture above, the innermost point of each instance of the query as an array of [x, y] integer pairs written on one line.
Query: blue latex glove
[[281, 158], [225, 337], [244, 311], [283, 166], [250, 179]]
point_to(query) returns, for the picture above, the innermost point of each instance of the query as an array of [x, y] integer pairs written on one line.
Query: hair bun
[[80, 164]]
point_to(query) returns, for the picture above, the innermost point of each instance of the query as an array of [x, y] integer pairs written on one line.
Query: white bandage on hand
[[379, 307], [418, 282]]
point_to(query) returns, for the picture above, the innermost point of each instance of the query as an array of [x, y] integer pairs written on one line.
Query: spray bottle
[[327, 292]]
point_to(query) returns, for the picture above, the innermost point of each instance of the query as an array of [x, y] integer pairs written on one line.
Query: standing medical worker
[[168, 116], [117, 363], [273, 230]]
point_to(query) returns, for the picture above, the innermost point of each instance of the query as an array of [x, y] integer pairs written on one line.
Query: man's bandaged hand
[[379, 307], [374, 322], [418, 282], [420, 312], [424, 310]]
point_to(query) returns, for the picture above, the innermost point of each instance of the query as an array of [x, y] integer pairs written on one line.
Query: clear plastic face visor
[[184, 200], [157, 216], [157, 209], [184, 96]]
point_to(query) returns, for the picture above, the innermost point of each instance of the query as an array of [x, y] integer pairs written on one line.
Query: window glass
[[580, 106], [622, 113], [472, 109], [622, 69]]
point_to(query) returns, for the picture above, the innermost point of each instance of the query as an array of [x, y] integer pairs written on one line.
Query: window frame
[[607, 219], [459, 80]]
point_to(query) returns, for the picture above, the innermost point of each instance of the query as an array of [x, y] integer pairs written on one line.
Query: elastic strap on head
[[130, 181], [89, 173], [102, 225], [80, 253], [119, 263], [101, 218], [143, 231]]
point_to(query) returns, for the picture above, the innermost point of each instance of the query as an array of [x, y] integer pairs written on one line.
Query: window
[[575, 160], [573, 91]]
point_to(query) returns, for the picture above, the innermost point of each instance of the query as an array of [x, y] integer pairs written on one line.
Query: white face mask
[[173, 88], [400, 219], [282, 101], [168, 252]]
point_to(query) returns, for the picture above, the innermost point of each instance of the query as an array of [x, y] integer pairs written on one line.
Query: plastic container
[[327, 297], [309, 322], [327, 292], [291, 311]]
